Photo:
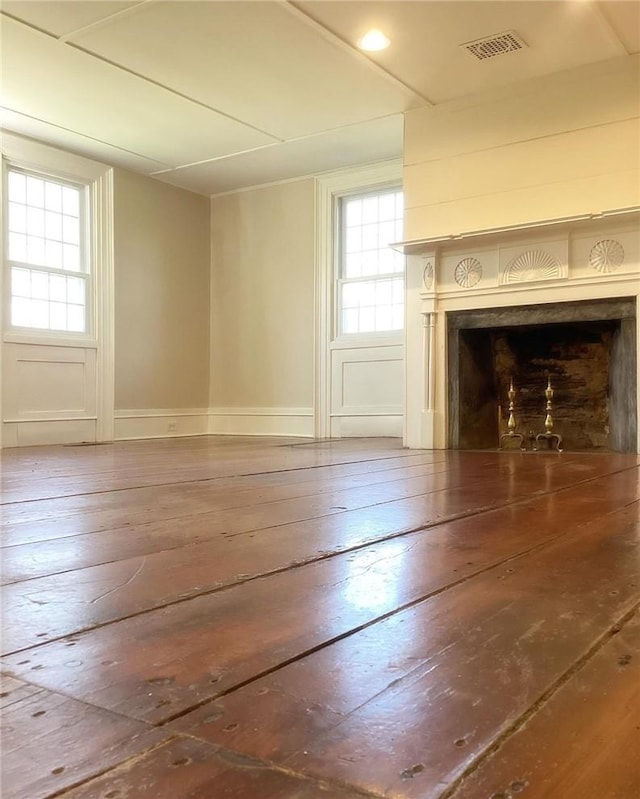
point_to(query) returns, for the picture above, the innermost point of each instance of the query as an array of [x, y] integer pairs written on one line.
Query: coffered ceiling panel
[[624, 18], [60, 17], [379, 140], [426, 39], [259, 62], [50, 81], [214, 95], [74, 142]]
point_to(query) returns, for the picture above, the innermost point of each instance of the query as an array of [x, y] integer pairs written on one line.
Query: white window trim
[[329, 188], [32, 155]]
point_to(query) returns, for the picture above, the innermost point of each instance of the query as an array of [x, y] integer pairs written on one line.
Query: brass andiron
[[511, 423], [549, 435]]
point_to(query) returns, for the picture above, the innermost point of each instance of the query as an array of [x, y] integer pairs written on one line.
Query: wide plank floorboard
[[286, 619]]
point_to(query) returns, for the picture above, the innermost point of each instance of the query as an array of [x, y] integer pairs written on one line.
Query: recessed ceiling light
[[373, 40]]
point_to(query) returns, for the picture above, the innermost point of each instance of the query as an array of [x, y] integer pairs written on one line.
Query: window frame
[[23, 334], [328, 188]]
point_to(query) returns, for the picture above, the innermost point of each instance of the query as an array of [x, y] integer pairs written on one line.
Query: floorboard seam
[[330, 642], [197, 480], [321, 558], [123, 763], [542, 700]]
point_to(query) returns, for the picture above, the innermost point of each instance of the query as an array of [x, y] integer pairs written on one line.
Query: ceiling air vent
[[494, 45]]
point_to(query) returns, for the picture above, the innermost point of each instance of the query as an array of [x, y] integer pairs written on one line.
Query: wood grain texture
[[584, 741], [221, 617]]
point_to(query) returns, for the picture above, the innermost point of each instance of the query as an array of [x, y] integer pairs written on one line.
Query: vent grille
[[491, 46]]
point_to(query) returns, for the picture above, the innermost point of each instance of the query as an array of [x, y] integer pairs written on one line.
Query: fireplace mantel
[[550, 262]]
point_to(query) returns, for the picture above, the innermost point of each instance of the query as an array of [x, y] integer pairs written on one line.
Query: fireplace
[[552, 300], [586, 350]]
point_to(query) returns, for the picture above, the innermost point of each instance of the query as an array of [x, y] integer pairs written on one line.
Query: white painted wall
[[262, 283], [161, 252]]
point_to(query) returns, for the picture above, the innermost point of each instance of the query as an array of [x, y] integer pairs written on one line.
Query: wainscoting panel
[[49, 394], [367, 391]]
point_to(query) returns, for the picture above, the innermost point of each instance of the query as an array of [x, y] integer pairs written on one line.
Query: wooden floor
[[278, 619]]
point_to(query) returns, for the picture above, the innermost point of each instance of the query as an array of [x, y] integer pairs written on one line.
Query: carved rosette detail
[[532, 265], [427, 275], [468, 272], [606, 255]]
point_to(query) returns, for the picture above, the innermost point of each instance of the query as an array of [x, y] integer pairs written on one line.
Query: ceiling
[[218, 95]]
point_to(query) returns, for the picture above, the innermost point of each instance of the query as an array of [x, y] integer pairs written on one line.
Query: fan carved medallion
[[606, 256], [468, 272]]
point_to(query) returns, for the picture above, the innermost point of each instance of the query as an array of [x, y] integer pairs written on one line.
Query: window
[[371, 274], [46, 244]]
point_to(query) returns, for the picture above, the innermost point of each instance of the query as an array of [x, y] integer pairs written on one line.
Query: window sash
[[41, 309], [378, 316]]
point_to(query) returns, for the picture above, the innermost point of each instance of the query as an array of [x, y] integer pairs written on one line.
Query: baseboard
[[163, 423], [367, 425], [39, 432], [172, 423], [261, 422]]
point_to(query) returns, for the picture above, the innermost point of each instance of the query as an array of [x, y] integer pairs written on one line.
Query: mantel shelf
[[490, 235]]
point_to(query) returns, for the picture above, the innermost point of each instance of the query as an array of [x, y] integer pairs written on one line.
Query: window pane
[[354, 240], [53, 225], [58, 316], [70, 230], [387, 207], [17, 247], [20, 312], [75, 318], [350, 295], [386, 234], [40, 314], [20, 282], [383, 318], [17, 187], [370, 263], [58, 288], [75, 290], [350, 321], [367, 320], [370, 209], [53, 196], [35, 251], [397, 322], [353, 265], [53, 254], [18, 217], [35, 192], [40, 285], [370, 237], [383, 293], [70, 201], [353, 212], [35, 222], [71, 257], [387, 260]]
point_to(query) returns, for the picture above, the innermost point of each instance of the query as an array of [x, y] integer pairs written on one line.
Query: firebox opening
[[590, 362]]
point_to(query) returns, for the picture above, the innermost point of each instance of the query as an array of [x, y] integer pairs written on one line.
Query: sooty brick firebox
[[587, 348]]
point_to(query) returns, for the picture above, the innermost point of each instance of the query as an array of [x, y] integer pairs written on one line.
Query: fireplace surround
[[556, 299]]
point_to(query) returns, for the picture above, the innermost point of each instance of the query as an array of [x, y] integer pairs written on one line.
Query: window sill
[[355, 341], [43, 339]]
